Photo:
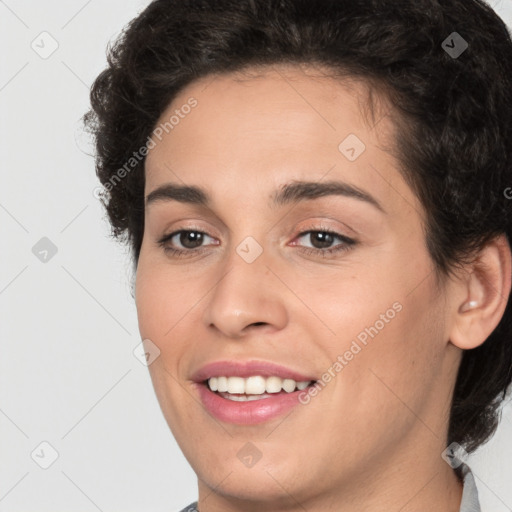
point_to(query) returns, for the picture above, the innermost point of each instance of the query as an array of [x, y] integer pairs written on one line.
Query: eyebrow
[[291, 193]]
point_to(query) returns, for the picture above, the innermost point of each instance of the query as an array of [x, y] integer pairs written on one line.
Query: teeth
[[273, 384], [256, 385], [244, 398], [289, 385], [302, 385], [214, 384], [236, 385], [222, 384]]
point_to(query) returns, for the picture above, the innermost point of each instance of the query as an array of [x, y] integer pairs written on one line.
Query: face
[[330, 285]]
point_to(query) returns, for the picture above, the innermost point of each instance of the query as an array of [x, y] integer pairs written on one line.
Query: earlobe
[[487, 288]]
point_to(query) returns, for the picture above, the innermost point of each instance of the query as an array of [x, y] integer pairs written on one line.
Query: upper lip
[[247, 369]]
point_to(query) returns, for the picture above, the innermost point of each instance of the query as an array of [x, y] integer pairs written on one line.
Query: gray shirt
[[469, 501]]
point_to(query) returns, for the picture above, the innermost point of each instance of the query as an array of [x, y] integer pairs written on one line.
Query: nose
[[246, 296]]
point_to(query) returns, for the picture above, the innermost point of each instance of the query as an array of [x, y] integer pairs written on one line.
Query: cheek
[[398, 368], [387, 326], [163, 311], [167, 307], [161, 300], [151, 303], [359, 305]]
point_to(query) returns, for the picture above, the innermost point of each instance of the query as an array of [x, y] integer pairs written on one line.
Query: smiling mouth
[[257, 387]]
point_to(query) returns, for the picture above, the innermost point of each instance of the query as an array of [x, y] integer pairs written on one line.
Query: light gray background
[[68, 326]]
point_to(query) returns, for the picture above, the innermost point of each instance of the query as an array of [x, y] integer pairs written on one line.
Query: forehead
[[273, 107], [259, 129]]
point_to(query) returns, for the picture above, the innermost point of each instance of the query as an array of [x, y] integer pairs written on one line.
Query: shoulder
[[470, 501], [191, 508]]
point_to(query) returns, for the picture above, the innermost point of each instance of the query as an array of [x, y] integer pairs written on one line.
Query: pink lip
[[247, 369], [246, 413]]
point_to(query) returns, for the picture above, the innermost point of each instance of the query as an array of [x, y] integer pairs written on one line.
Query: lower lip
[[247, 413]]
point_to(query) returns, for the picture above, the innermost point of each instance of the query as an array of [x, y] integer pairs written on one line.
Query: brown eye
[[191, 239], [321, 239], [321, 243], [182, 241]]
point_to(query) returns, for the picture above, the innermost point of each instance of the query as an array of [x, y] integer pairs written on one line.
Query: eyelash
[[348, 243]]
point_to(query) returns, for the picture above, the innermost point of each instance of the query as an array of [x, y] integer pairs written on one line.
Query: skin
[[372, 438]]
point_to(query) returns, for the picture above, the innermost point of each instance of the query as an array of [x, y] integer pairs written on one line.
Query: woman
[[315, 196]]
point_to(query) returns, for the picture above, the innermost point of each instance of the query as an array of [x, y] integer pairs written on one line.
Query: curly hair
[[453, 119]]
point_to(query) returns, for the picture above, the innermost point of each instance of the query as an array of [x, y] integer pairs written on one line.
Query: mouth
[[250, 391], [256, 387], [262, 400]]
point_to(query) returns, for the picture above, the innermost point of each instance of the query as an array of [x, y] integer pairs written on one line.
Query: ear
[[482, 295]]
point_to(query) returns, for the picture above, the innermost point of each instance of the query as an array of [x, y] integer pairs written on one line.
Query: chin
[[254, 487], [264, 483]]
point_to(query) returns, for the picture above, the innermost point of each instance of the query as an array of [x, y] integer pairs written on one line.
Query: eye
[[187, 241], [321, 241]]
